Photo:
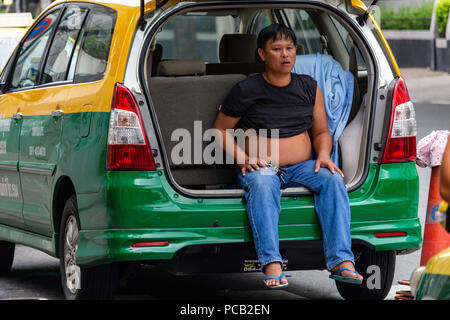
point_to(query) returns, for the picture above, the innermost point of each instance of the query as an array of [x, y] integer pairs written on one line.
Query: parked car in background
[[12, 28], [90, 107], [432, 282]]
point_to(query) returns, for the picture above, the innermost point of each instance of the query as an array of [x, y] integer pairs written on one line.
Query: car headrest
[[174, 68], [300, 49], [237, 48], [158, 52]]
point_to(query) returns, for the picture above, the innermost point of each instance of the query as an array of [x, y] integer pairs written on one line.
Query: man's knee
[[332, 179]]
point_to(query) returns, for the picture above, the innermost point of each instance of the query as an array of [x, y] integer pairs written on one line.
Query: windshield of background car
[[7, 46]]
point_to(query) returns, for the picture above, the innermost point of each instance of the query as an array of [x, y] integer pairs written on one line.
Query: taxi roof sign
[[16, 20]]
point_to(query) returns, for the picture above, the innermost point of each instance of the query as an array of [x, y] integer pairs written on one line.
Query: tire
[[96, 283], [6, 257], [377, 282]]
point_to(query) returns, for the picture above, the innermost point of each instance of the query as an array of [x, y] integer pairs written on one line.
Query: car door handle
[[57, 113], [18, 116]]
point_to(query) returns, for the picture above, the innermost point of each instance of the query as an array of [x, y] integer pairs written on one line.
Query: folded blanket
[[430, 149], [337, 89]]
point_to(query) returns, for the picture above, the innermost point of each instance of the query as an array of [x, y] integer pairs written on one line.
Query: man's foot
[[347, 273], [274, 269]]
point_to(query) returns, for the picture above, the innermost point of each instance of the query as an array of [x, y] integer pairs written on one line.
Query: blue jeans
[[263, 192]]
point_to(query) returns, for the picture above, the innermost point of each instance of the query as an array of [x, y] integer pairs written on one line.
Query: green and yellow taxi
[[105, 108]]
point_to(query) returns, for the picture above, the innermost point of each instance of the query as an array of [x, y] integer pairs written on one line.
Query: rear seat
[[182, 94], [237, 56]]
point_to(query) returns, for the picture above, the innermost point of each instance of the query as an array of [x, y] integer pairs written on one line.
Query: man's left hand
[[326, 162]]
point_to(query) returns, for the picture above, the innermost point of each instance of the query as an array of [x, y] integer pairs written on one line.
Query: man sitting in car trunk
[[287, 105]]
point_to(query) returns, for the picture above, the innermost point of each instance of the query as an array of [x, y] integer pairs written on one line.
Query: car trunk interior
[[195, 59]]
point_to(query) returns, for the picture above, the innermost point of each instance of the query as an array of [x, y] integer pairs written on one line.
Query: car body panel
[[131, 192], [386, 47], [11, 198], [142, 207], [33, 240], [102, 246], [40, 158]]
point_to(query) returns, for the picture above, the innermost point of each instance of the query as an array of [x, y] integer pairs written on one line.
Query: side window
[[63, 45], [260, 21], [305, 30], [346, 39], [196, 36], [91, 55], [26, 72]]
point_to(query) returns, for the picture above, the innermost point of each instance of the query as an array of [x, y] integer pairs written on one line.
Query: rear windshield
[[198, 35], [197, 57]]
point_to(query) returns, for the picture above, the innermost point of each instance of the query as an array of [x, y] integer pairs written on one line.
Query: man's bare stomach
[[282, 151]]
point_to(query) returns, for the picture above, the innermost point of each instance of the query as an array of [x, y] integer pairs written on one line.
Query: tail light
[[128, 148], [401, 138]]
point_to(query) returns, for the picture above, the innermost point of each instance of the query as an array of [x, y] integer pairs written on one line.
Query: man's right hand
[[251, 164]]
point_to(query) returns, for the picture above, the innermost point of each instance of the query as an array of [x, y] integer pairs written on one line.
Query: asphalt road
[[35, 275]]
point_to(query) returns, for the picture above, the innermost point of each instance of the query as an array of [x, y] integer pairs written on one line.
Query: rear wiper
[[362, 19]]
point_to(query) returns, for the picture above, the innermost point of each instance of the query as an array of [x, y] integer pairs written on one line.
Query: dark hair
[[275, 31]]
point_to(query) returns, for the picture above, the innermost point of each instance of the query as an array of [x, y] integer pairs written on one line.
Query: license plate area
[[252, 265]]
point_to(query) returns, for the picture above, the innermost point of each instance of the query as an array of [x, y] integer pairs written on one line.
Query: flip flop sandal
[[337, 276], [280, 286]]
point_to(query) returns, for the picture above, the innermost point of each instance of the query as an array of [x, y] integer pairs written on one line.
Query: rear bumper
[[103, 246], [142, 207]]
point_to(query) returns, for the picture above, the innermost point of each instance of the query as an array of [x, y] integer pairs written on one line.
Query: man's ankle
[[344, 264], [273, 267]]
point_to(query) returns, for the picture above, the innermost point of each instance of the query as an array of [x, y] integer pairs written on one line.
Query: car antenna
[[362, 19], [142, 21]]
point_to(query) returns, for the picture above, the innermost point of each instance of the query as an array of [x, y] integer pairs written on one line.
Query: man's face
[[279, 55]]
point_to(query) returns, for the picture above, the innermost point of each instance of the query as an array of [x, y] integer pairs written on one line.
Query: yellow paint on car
[[361, 6], [386, 45], [358, 4], [91, 96], [439, 263]]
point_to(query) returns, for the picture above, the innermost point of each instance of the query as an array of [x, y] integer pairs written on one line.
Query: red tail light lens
[[401, 138], [390, 234], [150, 244], [128, 148]]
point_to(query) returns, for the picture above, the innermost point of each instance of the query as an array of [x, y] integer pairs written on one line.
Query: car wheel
[[81, 283], [377, 268], [6, 256]]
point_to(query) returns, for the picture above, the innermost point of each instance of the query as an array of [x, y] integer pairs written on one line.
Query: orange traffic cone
[[435, 238]]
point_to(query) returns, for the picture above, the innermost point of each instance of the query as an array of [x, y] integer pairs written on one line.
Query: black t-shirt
[[261, 105]]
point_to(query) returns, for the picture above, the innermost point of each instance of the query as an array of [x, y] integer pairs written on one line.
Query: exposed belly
[[282, 151]]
